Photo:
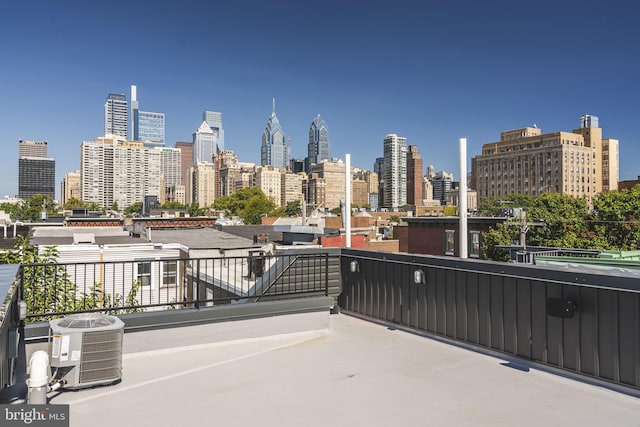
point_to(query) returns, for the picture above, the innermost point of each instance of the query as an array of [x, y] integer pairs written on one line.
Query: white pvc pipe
[[347, 200], [462, 202], [38, 382]]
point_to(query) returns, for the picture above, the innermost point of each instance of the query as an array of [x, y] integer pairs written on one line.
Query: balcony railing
[[55, 290]]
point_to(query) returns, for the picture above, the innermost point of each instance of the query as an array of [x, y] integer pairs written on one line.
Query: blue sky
[[431, 71]]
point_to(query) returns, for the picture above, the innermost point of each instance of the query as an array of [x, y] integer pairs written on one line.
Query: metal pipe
[[347, 202], [462, 203]]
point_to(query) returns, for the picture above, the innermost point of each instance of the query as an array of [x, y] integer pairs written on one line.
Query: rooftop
[[341, 371]]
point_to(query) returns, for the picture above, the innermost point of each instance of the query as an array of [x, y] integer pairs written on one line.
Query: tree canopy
[[248, 203], [567, 222]]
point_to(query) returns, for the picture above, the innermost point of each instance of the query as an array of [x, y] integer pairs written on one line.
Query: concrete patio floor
[[352, 373]]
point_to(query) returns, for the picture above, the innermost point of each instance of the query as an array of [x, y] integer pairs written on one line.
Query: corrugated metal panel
[[505, 308]]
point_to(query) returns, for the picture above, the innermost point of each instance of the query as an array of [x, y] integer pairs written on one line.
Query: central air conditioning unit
[[86, 349]]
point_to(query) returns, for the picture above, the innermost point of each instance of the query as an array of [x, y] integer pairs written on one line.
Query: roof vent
[[83, 238]]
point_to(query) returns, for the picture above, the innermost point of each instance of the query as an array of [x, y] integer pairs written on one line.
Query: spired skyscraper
[[318, 147], [274, 147], [116, 115]]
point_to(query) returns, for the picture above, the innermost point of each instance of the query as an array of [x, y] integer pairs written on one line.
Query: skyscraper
[[414, 176], [395, 171], [36, 171], [70, 187], [204, 144], [147, 126], [214, 120], [116, 115], [186, 160], [318, 147], [274, 147]]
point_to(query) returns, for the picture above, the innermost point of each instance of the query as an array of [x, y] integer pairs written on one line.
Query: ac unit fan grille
[[101, 356]]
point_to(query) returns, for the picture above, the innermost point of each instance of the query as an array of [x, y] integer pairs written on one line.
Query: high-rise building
[[526, 161], [223, 160], [267, 178], [290, 187], [205, 144], [274, 147], [414, 176], [36, 171], [70, 187], [441, 183], [318, 148], [116, 115], [32, 148], [202, 184], [171, 170], [214, 120], [36, 175], [186, 160], [378, 168], [114, 171], [331, 177], [395, 172], [146, 126]]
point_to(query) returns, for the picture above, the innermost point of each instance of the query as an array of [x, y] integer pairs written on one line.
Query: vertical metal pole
[[197, 295], [462, 202], [347, 200]]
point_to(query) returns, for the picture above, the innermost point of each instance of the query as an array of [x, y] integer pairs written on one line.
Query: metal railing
[[118, 287]]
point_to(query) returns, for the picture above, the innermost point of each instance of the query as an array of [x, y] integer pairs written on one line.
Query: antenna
[[273, 111]]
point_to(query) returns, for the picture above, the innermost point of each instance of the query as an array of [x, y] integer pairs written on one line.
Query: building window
[[144, 273], [474, 244], [450, 242], [169, 273]]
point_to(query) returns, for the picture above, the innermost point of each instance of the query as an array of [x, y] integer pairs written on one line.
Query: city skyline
[[460, 69]]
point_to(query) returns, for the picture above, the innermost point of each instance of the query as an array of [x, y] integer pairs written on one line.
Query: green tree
[[134, 209], [195, 210], [173, 205], [293, 208], [248, 203], [615, 217], [114, 206], [74, 203]]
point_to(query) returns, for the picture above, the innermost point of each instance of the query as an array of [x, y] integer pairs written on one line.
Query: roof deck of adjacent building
[[321, 369]]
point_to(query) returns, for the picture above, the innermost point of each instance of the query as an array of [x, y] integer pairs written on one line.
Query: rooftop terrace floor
[[353, 373]]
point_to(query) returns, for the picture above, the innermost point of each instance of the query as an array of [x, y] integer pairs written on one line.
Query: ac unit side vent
[[101, 356]]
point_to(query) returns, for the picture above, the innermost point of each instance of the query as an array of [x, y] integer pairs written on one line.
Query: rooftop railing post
[[197, 295], [326, 274]]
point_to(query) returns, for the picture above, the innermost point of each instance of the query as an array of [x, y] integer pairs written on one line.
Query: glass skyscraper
[[116, 115], [204, 144], [274, 147], [318, 147], [214, 120], [146, 126]]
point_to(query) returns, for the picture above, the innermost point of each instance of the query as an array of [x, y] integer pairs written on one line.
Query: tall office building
[[36, 171], [267, 178], [146, 126], [186, 160], [395, 171], [526, 161], [171, 170], [414, 176], [318, 148], [205, 144], [36, 175], [114, 170], [214, 120], [441, 183], [32, 148], [116, 115], [274, 147]]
